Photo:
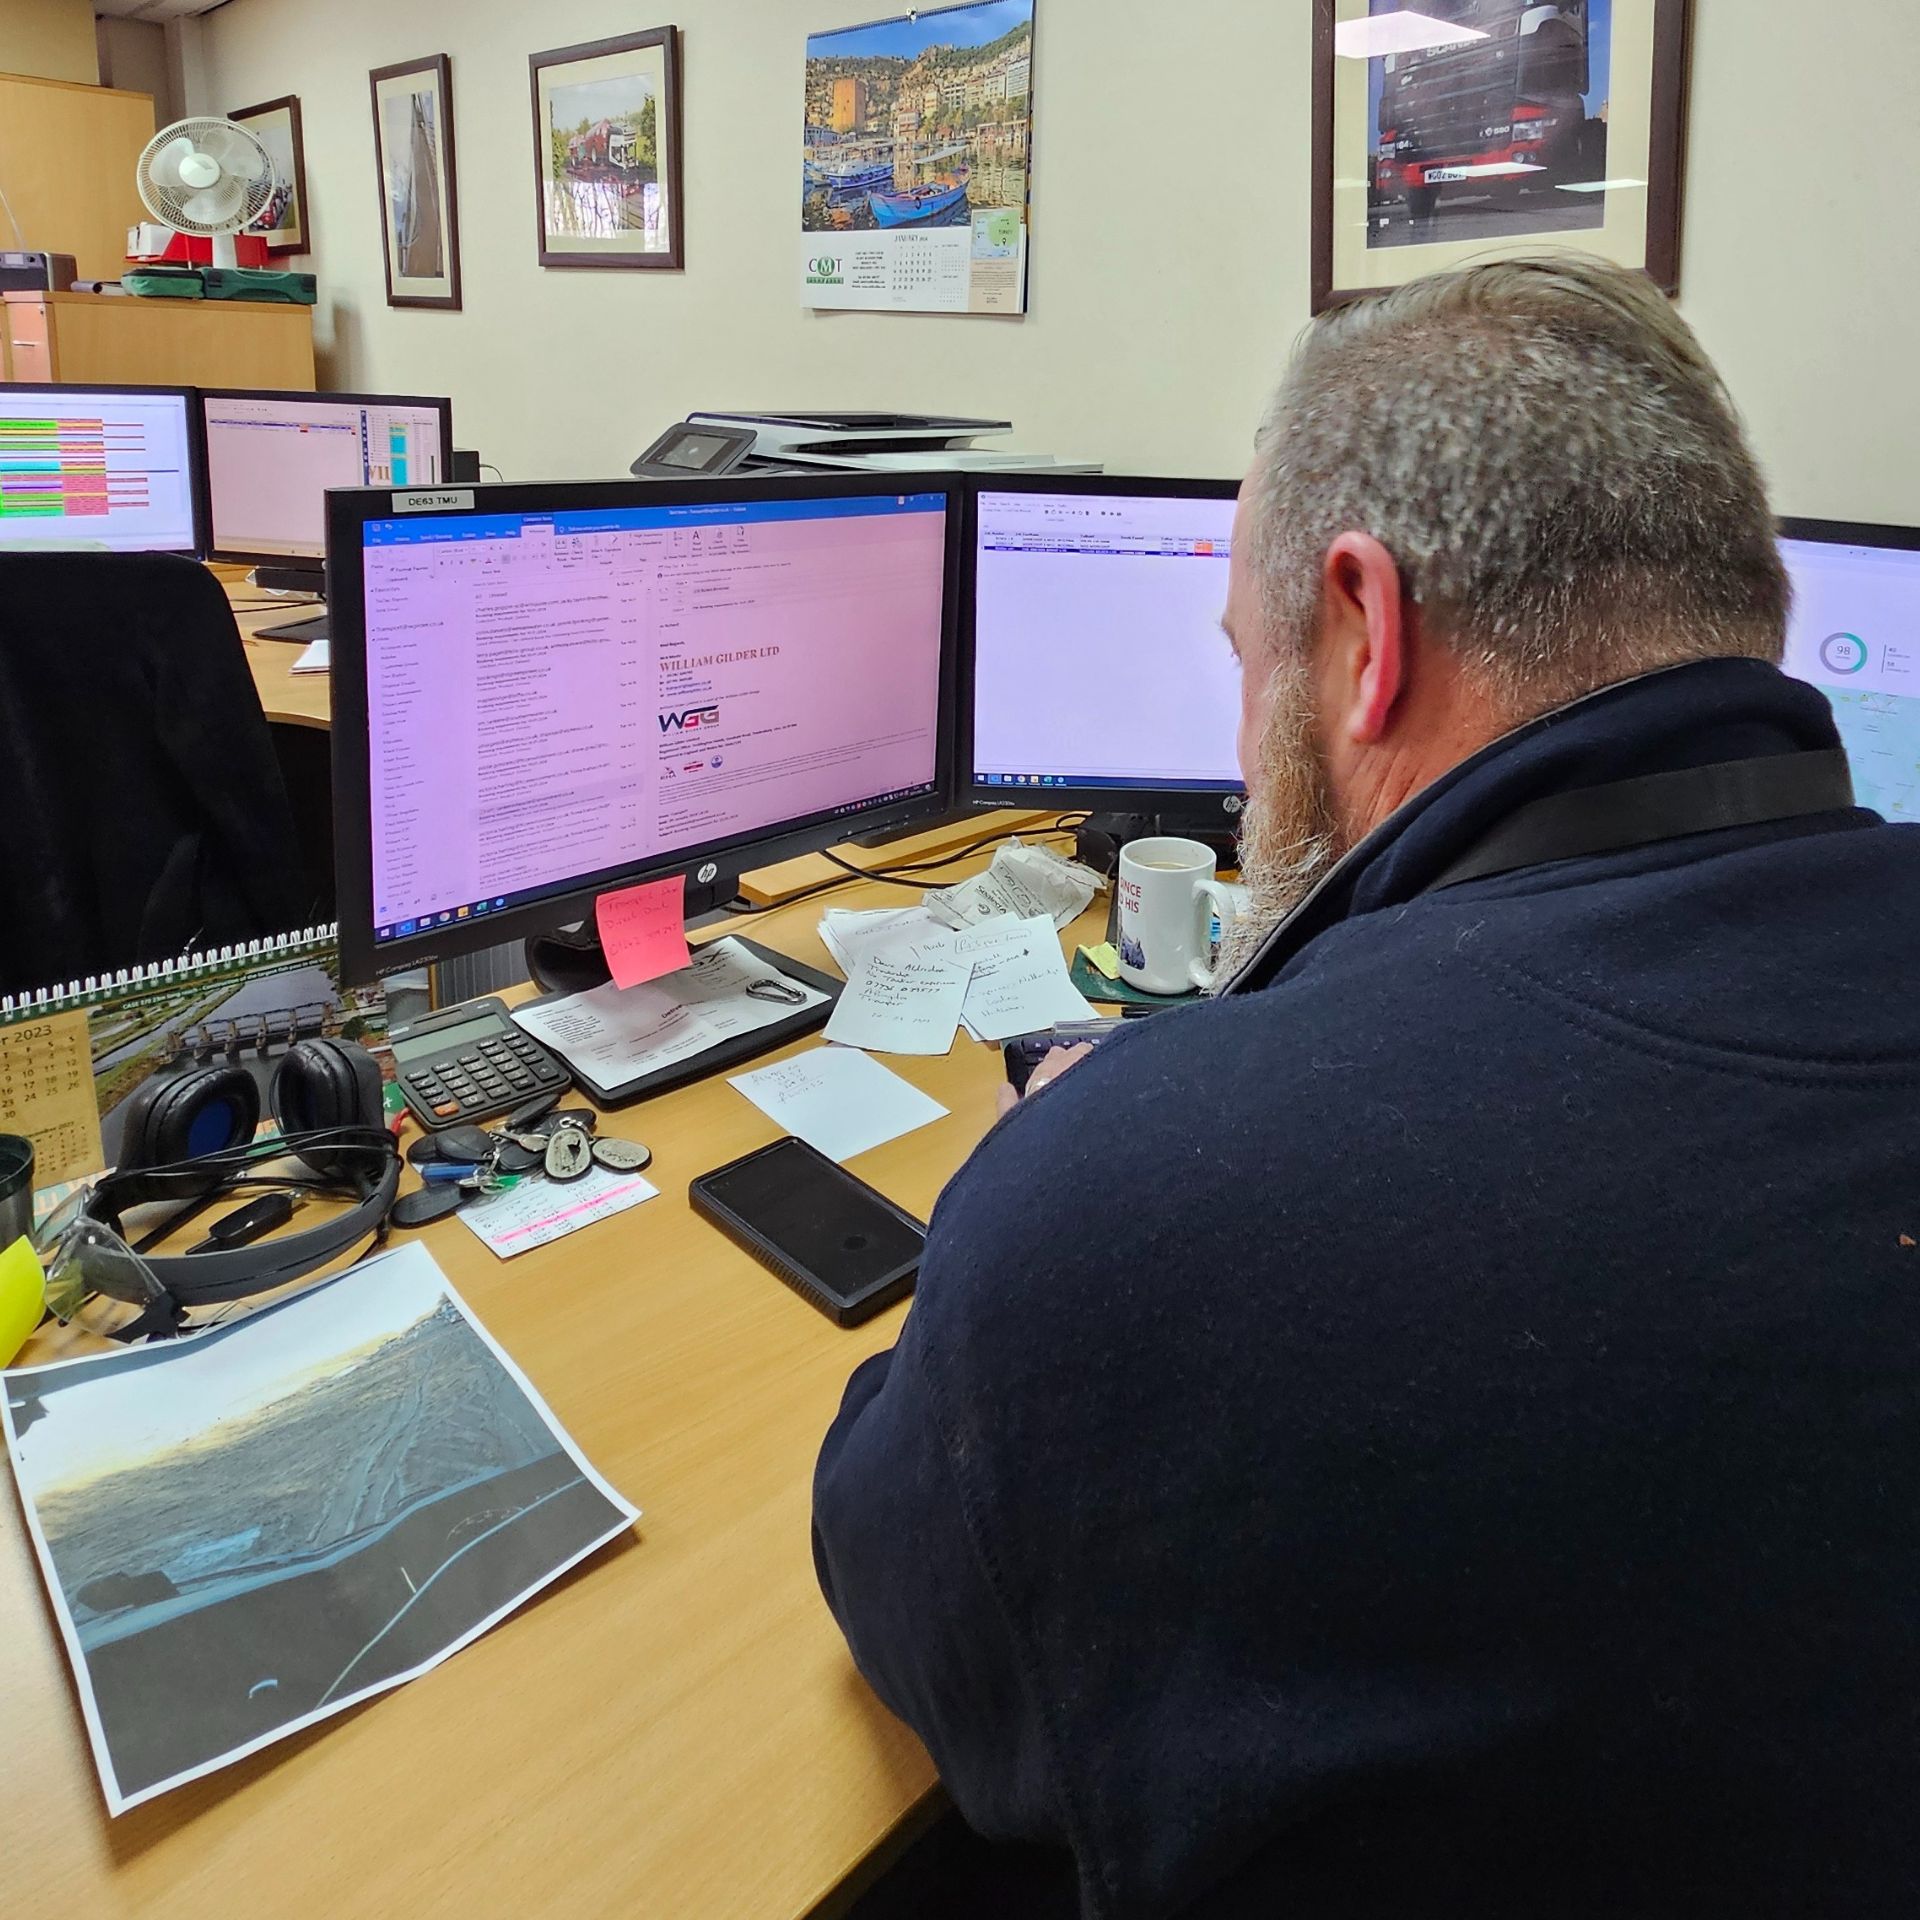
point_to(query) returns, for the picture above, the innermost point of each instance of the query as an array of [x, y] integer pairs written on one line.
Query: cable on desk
[[899, 876]]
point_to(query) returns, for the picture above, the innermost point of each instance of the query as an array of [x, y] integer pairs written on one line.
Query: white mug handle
[[1211, 898]]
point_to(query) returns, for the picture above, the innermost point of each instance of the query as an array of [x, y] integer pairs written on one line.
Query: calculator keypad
[[487, 1078]]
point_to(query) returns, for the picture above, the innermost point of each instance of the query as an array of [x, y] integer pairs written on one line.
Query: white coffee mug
[[1174, 914]]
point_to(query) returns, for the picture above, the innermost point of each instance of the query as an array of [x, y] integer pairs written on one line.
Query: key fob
[[471, 1144], [426, 1205], [516, 1156], [620, 1156], [569, 1154]]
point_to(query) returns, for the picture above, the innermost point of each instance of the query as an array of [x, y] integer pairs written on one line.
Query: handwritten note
[[900, 1006], [46, 1093], [644, 930], [838, 1099], [1019, 982], [537, 1211]]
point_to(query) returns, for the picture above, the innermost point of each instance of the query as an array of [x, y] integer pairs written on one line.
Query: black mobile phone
[[836, 1242]]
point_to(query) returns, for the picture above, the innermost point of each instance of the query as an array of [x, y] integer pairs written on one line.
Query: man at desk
[[1437, 1429]]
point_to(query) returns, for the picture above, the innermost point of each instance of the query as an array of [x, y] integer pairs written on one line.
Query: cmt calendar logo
[[824, 271], [688, 718]]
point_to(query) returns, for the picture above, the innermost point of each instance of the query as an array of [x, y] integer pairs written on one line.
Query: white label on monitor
[[434, 500]]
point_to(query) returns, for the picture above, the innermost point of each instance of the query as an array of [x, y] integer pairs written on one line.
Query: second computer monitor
[[272, 456], [113, 468], [1095, 670]]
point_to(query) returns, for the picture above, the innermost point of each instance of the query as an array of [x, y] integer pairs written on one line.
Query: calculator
[[469, 1062]]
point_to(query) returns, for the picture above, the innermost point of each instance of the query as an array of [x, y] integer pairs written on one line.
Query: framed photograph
[[1479, 127], [413, 159], [276, 123], [606, 151]]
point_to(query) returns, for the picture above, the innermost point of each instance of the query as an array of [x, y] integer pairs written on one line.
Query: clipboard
[[723, 1055]]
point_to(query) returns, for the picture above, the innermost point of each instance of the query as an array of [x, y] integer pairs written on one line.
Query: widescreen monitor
[[1855, 634], [114, 468], [272, 456], [1094, 670], [570, 688]]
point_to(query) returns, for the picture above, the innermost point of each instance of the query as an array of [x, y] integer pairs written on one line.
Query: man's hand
[[1049, 1070]]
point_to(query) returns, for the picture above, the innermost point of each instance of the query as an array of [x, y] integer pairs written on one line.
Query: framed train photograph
[[606, 151], [1480, 127]]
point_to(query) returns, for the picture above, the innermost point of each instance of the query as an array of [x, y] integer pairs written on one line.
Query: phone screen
[[822, 1219]]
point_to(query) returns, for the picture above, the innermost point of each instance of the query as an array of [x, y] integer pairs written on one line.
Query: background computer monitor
[[1855, 634], [272, 456], [575, 687], [112, 467], [1094, 672]]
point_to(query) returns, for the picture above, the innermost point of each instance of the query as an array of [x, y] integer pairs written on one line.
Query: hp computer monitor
[[1855, 634], [554, 691], [1094, 670], [117, 468], [272, 456]]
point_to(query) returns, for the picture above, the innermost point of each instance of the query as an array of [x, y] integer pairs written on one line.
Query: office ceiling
[[154, 10]]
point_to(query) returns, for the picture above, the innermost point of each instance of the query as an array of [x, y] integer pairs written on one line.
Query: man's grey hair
[[1551, 459]]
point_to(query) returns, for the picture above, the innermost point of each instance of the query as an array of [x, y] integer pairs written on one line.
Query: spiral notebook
[[242, 1004]]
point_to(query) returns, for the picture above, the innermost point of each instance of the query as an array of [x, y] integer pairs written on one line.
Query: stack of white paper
[[1022, 881], [909, 980]]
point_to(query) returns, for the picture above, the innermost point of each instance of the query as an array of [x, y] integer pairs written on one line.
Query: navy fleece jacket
[[1440, 1433]]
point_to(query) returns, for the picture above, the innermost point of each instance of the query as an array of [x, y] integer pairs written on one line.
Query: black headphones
[[189, 1135]]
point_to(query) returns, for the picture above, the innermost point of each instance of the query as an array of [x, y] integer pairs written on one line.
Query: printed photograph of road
[[248, 1531]]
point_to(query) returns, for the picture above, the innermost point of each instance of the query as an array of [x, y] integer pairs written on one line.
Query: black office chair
[[142, 811]]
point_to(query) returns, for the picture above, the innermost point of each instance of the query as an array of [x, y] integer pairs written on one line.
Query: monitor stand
[[295, 577], [1097, 843]]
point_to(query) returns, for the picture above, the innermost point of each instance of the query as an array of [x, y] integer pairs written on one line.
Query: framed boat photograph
[[276, 124], [916, 152], [606, 151], [413, 161], [1475, 128]]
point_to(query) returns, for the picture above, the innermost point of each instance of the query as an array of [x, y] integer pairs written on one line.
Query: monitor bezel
[[251, 557], [1850, 533], [348, 508], [1192, 804], [197, 484]]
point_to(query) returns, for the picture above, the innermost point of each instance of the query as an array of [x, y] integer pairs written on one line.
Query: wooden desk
[[677, 1729], [121, 340]]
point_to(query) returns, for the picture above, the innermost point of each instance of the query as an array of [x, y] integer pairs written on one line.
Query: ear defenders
[[188, 1136]]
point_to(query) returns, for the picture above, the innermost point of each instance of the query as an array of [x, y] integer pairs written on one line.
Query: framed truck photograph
[[1473, 128]]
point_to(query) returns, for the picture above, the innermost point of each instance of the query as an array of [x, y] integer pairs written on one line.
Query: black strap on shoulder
[[1625, 814]]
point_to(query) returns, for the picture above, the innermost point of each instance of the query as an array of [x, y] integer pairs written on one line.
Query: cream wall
[[49, 39], [1170, 233]]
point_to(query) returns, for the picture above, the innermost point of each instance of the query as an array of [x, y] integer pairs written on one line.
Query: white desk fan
[[208, 178]]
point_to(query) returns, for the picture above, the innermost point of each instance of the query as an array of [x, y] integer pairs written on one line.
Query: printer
[[820, 442]]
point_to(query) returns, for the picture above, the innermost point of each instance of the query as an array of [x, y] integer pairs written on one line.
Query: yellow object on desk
[[46, 1093], [22, 1293]]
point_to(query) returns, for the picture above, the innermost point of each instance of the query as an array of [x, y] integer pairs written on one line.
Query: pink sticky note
[[644, 930]]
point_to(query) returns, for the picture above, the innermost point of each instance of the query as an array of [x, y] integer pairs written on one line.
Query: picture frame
[[1578, 142], [607, 153], [276, 123], [414, 170]]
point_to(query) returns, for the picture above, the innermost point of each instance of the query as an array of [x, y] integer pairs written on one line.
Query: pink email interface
[[554, 698]]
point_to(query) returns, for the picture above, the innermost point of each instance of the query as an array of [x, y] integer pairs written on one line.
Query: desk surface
[[676, 1728]]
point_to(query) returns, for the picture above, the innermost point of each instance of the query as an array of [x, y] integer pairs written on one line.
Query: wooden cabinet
[[120, 340]]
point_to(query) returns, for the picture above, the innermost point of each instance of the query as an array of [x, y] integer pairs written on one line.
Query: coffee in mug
[[1174, 914]]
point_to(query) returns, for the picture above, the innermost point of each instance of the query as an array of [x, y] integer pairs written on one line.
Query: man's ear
[[1369, 646]]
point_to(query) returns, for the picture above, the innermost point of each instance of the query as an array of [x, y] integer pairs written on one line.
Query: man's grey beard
[[1290, 834]]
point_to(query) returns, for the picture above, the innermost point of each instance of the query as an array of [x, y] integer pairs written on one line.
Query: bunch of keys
[[465, 1163]]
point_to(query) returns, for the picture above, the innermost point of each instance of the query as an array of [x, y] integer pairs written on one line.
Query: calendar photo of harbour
[[918, 123]]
